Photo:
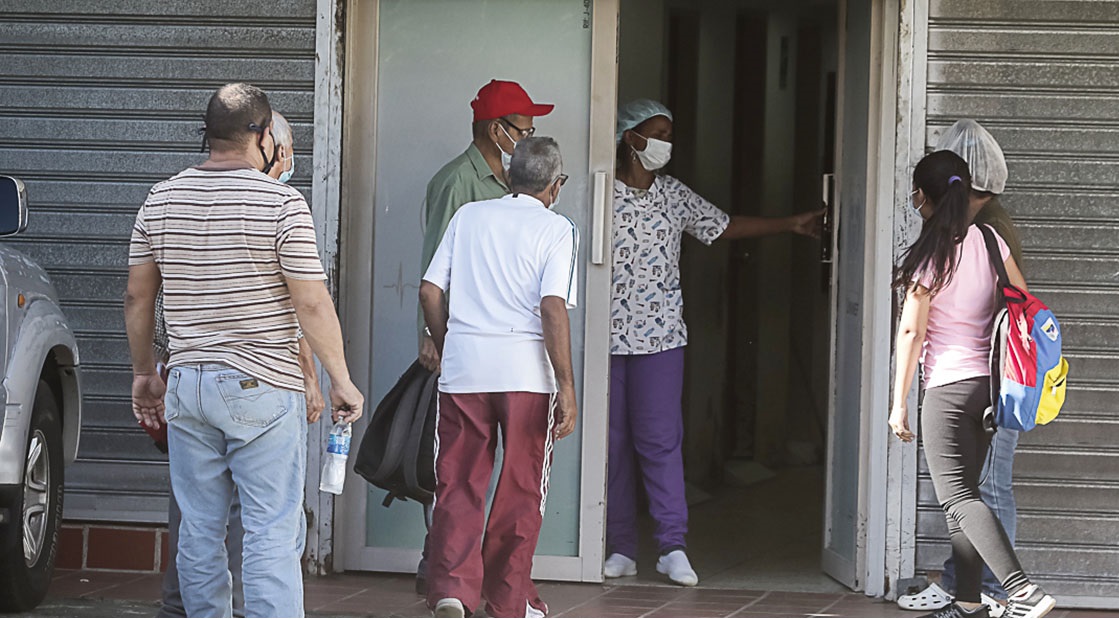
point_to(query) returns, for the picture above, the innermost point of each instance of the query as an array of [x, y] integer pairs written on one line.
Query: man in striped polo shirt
[[506, 369], [235, 252]]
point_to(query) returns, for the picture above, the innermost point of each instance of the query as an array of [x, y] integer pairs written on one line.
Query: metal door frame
[[866, 571], [359, 118]]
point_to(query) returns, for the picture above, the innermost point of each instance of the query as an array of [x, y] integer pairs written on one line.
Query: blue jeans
[[997, 491], [226, 430], [172, 602]]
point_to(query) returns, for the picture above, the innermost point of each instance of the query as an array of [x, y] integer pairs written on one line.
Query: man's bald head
[[236, 113]]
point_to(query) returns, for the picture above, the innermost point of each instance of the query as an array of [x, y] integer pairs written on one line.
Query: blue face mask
[[285, 176]]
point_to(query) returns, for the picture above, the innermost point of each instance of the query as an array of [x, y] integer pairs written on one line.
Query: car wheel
[[30, 540]]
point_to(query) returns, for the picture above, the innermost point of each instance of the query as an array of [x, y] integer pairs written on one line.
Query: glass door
[[431, 57]]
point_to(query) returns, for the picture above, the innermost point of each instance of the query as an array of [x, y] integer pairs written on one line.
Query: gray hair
[[281, 130], [536, 164]]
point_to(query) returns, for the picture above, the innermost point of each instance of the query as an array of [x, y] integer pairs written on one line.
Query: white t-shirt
[[497, 261]]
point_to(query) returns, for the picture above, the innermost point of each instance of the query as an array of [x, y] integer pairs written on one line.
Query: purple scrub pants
[[646, 439]]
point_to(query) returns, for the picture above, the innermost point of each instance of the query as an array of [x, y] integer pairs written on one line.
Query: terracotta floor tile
[[145, 588], [645, 593], [714, 607], [684, 612], [791, 596], [368, 595], [604, 613], [632, 609], [83, 583], [785, 610]]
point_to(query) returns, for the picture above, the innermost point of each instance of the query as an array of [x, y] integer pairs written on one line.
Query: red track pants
[[462, 563]]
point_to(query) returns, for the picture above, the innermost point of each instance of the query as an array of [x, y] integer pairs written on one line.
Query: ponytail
[[944, 179]]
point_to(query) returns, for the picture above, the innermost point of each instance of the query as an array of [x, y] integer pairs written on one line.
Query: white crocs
[[618, 565], [679, 570], [932, 598], [532, 612]]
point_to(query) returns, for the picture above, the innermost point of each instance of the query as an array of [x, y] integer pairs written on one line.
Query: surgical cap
[[636, 112], [978, 148]]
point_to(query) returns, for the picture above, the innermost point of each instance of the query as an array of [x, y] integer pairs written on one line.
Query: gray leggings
[[955, 447]]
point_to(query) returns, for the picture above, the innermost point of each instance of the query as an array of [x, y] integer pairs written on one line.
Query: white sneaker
[[679, 570], [533, 613], [993, 605], [618, 565], [932, 598], [449, 607], [1031, 601]]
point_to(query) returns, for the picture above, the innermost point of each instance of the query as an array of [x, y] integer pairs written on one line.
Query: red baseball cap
[[500, 98]]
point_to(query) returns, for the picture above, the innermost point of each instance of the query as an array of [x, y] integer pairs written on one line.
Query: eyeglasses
[[525, 133], [562, 178]]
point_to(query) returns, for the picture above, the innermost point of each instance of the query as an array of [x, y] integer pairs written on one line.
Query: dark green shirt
[[996, 216], [465, 179]]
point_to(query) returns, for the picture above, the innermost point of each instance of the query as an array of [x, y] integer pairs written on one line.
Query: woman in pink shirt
[[946, 324]]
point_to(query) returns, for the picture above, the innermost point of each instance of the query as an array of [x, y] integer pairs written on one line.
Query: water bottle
[[334, 460]]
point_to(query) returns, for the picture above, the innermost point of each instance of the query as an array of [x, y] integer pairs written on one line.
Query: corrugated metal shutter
[[1043, 76], [98, 101]]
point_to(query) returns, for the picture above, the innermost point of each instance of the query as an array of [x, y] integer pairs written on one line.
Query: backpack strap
[[996, 256]]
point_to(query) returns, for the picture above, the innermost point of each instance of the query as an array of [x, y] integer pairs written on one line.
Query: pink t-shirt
[[958, 339]]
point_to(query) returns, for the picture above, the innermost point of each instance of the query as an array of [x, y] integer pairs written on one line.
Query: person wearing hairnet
[[985, 159], [652, 211]]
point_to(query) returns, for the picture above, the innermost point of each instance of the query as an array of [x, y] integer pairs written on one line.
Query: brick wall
[[107, 547]]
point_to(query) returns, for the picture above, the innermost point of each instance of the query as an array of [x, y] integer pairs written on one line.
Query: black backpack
[[397, 452]]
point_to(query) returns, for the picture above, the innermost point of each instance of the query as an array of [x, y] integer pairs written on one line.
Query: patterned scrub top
[[646, 309]]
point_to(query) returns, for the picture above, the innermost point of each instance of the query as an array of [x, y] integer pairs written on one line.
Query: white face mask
[[285, 176], [656, 155], [506, 158]]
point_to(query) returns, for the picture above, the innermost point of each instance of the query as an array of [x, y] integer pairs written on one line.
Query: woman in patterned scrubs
[[648, 335]]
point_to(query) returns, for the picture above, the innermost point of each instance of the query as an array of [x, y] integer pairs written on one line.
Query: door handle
[[828, 226], [827, 232], [600, 226]]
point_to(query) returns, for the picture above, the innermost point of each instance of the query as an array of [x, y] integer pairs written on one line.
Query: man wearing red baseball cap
[[503, 115]]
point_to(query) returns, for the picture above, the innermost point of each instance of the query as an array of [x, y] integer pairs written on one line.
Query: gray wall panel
[[99, 101], [1043, 77]]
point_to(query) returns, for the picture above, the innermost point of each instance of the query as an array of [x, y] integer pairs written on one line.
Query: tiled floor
[[118, 594], [756, 546]]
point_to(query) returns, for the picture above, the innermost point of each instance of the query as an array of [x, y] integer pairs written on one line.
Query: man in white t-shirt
[[506, 350]]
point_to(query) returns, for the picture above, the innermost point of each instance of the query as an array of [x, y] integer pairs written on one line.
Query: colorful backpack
[[1028, 373]]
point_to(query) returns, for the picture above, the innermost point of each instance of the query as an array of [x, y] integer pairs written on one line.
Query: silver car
[[41, 414]]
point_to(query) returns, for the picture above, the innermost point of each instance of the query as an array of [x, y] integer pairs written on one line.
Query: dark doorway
[[752, 89]]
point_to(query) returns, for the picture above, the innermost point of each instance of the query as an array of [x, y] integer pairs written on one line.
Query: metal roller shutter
[[1043, 76], [99, 101]]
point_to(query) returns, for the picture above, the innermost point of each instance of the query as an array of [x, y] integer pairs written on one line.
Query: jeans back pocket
[[251, 401]]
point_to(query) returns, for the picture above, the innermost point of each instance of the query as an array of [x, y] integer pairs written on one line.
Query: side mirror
[[13, 206]]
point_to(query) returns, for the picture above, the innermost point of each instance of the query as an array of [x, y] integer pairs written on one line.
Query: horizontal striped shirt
[[225, 243]]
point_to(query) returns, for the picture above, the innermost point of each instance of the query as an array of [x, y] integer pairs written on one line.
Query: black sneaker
[[1029, 601], [955, 610]]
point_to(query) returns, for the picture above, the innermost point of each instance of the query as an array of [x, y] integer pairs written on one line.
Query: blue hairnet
[[636, 112]]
